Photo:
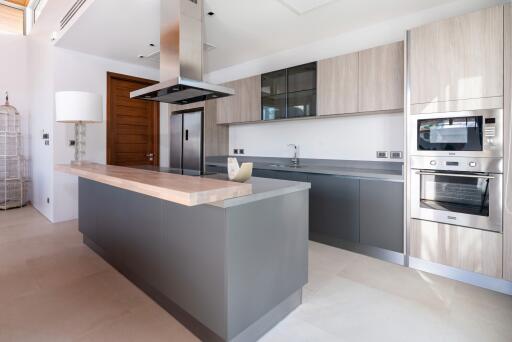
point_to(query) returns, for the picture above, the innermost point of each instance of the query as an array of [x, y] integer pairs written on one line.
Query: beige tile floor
[[53, 288]]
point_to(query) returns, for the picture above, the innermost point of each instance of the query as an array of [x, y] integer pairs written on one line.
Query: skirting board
[[477, 279]]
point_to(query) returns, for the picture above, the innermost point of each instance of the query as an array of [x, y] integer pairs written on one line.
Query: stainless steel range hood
[[181, 57]]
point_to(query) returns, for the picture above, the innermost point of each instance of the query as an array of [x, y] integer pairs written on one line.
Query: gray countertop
[[354, 168], [262, 188]]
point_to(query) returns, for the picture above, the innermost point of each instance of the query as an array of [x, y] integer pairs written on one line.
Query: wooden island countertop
[[185, 190]]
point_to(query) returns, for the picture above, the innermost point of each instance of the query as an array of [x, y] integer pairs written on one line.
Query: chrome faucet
[[295, 159]]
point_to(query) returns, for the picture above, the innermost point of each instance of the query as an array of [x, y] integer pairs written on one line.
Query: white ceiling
[[241, 30]]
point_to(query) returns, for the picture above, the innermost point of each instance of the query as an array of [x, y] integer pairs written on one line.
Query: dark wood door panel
[[132, 148], [132, 125], [132, 139]]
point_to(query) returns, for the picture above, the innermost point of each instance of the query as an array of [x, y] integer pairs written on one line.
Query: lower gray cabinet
[[365, 211], [285, 175], [216, 169], [381, 214], [334, 207]]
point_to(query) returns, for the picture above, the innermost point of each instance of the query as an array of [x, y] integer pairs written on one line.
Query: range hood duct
[[181, 57]]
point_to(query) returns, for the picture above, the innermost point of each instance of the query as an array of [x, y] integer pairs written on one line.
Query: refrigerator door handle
[[186, 134]]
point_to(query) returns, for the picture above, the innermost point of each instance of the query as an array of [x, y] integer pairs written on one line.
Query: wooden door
[[132, 125], [381, 78], [337, 85], [460, 58]]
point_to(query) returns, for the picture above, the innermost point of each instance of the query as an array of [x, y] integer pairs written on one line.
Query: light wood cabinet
[[216, 137], [507, 181], [228, 108], [465, 248], [458, 58], [245, 105], [381, 78], [337, 85]]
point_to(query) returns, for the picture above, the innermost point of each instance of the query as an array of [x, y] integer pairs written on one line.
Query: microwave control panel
[[490, 131]]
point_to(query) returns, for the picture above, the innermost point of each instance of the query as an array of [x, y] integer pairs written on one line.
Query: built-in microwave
[[463, 134]]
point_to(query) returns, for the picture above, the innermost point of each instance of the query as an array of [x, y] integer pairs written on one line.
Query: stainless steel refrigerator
[[186, 129]]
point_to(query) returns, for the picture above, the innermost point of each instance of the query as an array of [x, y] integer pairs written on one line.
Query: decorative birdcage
[[13, 166]]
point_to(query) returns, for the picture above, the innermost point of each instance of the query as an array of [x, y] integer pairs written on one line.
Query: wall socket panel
[[395, 154], [382, 154]]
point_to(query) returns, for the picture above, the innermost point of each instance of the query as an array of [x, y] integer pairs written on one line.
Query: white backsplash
[[350, 138]]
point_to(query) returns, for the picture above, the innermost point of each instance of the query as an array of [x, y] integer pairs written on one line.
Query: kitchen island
[[227, 260]]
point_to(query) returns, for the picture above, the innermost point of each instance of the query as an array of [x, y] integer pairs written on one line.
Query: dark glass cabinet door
[[302, 103], [273, 95], [289, 93], [302, 77], [273, 107]]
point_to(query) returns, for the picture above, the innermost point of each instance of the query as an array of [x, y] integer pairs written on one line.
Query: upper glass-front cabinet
[[289, 93]]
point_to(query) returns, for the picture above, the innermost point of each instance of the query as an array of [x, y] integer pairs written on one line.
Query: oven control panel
[[464, 164]]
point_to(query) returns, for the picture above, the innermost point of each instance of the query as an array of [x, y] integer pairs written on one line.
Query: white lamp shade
[[78, 106]]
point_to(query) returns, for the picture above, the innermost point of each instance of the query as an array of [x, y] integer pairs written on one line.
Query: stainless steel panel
[[176, 139], [493, 222], [193, 142], [492, 148], [465, 164]]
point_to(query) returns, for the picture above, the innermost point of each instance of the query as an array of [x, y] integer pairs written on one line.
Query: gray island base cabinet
[[228, 271]]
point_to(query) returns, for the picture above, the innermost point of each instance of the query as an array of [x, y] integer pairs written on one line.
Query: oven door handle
[[452, 175]]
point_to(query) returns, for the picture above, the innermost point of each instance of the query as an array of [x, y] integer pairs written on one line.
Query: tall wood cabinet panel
[[458, 58], [470, 249], [337, 85], [381, 78], [228, 108], [250, 98], [507, 200], [216, 137], [245, 105]]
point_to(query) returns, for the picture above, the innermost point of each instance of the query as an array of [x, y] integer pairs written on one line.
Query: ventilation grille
[[71, 13]]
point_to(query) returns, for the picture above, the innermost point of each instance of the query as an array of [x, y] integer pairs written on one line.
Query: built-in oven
[[466, 134], [459, 191]]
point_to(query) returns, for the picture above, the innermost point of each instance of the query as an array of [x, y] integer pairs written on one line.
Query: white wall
[[14, 79], [40, 67], [350, 138], [337, 138], [82, 72]]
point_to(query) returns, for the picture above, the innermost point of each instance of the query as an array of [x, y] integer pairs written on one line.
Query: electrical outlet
[[395, 154], [235, 151], [46, 136], [241, 151], [382, 154], [47, 142], [72, 143]]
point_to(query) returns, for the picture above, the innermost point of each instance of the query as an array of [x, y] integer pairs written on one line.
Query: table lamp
[[80, 108]]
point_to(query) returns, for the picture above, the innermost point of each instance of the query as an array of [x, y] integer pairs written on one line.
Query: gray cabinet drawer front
[[334, 207], [381, 215]]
